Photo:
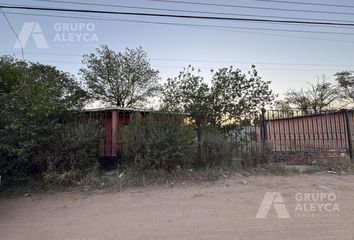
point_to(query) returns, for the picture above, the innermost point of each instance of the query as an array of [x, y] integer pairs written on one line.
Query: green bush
[[12, 167], [71, 153], [158, 141], [220, 149], [217, 149], [35, 101], [254, 154]]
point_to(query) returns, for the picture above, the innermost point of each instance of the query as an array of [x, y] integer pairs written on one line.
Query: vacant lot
[[222, 210]]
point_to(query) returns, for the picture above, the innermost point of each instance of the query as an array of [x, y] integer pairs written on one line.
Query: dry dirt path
[[222, 210]]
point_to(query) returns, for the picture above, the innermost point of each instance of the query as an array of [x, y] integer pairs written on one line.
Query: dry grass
[[126, 178], [340, 166]]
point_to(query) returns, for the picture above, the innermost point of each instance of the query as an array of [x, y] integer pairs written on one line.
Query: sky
[[290, 56]]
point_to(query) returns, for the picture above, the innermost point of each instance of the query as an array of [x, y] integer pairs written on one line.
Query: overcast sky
[[290, 57]]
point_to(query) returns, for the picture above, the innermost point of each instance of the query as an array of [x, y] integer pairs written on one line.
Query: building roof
[[108, 109], [103, 109]]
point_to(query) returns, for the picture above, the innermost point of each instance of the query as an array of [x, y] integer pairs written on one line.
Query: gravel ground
[[221, 210]]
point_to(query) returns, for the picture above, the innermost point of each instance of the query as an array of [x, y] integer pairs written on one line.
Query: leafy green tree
[[345, 83], [188, 94], [231, 96], [123, 79], [35, 101], [317, 98], [236, 95]]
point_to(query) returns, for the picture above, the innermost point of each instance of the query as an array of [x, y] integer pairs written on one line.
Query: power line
[[247, 62], [176, 16], [141, 8], [199, 60], [23, 58], [210, 67], [190, 25], [14, 32], [188, 11], [306, 3], [198, 25], [250, 7], [287, 36]]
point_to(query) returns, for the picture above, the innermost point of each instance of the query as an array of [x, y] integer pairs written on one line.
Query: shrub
[[337, 165], [254, 154], [158, 141], [71, 153], [12, 167], [35, 100], [217, 149], [223, 149], [64, 178]]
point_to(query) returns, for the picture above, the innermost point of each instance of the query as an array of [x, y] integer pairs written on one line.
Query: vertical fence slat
[[349, 135], [295, 131]]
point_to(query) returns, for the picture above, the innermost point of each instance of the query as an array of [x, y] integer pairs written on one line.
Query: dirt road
[[223, 210]]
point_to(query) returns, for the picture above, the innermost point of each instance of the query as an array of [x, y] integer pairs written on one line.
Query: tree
[[345, 81], [317, 98], [123, 79], [231, 96], [236, 95], [188, 94], [322, 94], [35, 100], [281, 108], [282, 105], [299, 99]]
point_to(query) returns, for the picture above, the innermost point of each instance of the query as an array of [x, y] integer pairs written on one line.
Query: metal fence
[[294, 130]]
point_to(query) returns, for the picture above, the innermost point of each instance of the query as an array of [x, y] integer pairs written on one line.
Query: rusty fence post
[[263, 127], [349, 134]]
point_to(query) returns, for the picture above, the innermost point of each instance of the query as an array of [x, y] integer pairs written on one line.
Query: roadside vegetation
[[195, 135]]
